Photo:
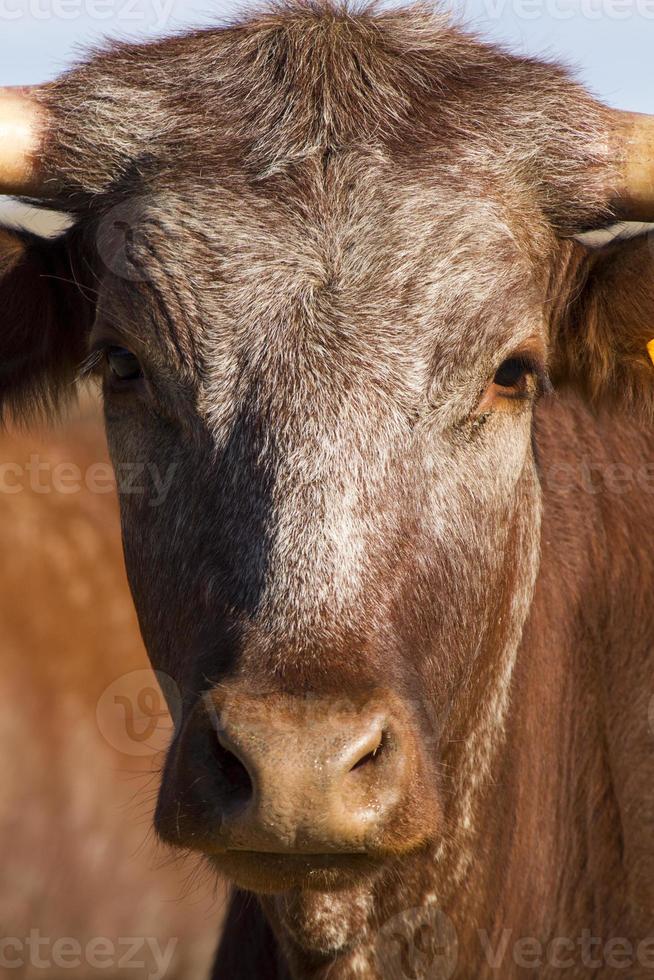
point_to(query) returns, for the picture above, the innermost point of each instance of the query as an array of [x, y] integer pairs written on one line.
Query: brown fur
[[340, 227], [78, 857]]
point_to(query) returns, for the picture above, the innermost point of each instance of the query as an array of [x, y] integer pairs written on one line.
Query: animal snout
[[281, 775], [319, 788]]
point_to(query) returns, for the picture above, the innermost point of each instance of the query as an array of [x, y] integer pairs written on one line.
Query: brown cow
[[325, 265], [84, 890]]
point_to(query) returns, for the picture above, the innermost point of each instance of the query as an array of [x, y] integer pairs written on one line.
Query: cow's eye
[[123, 365], [514, 374], [517, 379]]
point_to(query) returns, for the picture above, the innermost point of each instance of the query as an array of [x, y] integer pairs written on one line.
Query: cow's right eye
[[123, 364]]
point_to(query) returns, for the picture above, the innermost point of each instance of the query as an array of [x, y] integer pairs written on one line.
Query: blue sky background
[[610, 42]]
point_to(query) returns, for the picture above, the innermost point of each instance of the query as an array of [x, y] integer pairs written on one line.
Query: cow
[[325, 263], [85, 891]]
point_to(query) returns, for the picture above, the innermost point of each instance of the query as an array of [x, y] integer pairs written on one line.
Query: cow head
[[324, 267]]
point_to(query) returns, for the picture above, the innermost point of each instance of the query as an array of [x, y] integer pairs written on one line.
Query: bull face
[[351, 529], [323, 319]]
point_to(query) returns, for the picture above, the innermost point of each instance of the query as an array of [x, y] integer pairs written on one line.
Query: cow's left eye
[[517, 379], [123, 364], [514, 374]]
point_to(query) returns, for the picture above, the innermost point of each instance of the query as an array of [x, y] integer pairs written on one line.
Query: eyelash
[[98, 360], [513, 374], [130, 367]]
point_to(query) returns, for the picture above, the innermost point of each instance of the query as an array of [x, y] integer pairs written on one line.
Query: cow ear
[[46, 311], [602, 323]]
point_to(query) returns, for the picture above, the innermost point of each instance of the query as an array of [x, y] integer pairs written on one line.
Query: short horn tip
[[634, 135], [21, 128]]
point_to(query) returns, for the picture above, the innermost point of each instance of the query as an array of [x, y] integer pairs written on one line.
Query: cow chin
[[321, 902], [324, 924]]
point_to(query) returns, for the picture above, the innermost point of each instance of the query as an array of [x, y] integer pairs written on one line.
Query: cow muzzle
[[276, 788]]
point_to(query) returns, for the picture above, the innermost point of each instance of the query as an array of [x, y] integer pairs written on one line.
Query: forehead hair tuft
[[302, 80]]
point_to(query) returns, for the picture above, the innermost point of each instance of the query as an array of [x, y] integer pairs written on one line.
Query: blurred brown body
[[78, 859]]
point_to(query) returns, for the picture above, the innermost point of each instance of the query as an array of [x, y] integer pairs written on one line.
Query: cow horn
[[20, 138], [635, 198]]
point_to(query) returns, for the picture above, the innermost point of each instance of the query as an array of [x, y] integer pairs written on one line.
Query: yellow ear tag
[[650, 350]]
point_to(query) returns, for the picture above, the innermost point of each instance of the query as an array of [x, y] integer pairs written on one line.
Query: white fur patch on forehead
[[407, 292], [370, 260], [353, 277]]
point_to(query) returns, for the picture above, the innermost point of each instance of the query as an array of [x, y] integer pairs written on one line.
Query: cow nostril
[[231, 774], [373, 755]]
